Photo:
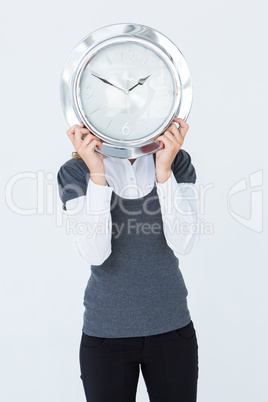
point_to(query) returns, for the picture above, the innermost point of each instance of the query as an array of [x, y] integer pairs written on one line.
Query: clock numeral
[[89, 91], [128, 56], [126, 129], [164, 93]]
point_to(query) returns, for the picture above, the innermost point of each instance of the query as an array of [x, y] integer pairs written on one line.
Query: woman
[[128, 230]]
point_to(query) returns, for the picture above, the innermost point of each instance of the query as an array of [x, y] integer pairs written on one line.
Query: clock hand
[[107, 82], [141, 82]]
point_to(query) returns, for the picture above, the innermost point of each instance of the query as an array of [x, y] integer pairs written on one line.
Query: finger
[[71, 134], [176, 133], [181, 122], [175, 138], [93, 144], [71, 129], [86, 144], [171, 136], [174, 130], [88, 139], [81, 131], [77, 137], [184, 127], [166, 141]]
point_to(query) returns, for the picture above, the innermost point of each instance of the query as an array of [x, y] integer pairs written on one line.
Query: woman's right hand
[[86, 149]]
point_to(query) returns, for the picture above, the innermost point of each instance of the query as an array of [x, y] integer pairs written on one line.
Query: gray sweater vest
[[139, 289]]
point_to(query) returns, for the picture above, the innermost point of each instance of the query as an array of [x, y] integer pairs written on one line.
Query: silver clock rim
[[97, 40]]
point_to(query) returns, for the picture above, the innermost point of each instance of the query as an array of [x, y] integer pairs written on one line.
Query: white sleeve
[[89, 218], [179, 209]]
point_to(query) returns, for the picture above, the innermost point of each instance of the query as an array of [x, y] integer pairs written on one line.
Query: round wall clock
[[126, 83]]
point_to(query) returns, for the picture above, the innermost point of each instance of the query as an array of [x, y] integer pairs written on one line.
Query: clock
[[126, 83]]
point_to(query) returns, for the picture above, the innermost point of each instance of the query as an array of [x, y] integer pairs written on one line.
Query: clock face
[[127, 91]]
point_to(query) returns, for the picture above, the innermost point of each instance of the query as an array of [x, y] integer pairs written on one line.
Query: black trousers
[[169, 364]]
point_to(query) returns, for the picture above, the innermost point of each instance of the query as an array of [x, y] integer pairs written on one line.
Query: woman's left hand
[[172, 140]]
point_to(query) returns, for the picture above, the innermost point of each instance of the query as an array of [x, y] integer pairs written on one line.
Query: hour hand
[[107, 82], [141, 82]]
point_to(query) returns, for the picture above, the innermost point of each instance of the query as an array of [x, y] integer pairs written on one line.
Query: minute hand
[[141, 82], [107, 82]]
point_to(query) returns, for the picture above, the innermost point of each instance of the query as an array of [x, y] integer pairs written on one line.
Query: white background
[[43, 279]]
